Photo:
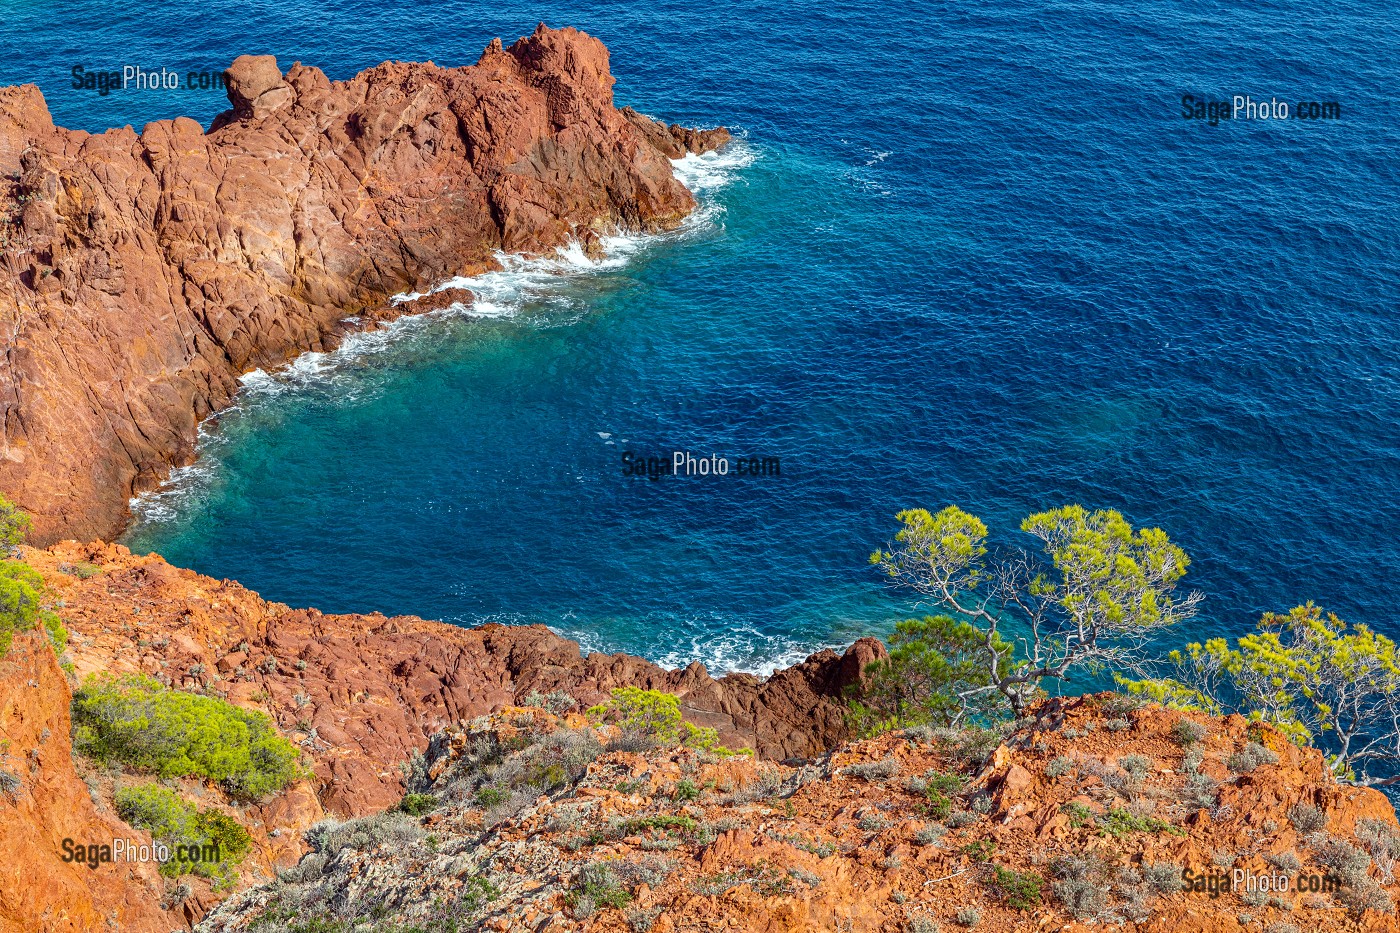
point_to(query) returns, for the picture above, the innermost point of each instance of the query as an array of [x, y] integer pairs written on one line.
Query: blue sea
[[960, 253]]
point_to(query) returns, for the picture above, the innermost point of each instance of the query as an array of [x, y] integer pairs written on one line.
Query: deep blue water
[[964, 253]]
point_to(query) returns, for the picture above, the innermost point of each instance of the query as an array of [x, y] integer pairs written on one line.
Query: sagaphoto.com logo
[[104, 81], [1201, 109]]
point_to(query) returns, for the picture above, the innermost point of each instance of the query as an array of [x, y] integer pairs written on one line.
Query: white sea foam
[[722, 648]]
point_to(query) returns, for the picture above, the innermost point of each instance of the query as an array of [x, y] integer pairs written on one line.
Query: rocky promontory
[[145, 272]]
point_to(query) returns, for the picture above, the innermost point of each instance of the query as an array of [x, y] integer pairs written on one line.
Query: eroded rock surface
[[143, 273], [375, 688]]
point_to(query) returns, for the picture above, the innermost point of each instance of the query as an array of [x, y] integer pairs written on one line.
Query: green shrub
[[491, 796], [21, 589], [1020, 890], [189, 833], [1118, 823], [418, 804], [55, 629], [656, 717], [14, 525], [1079, 814], [136, 721], [981, 850]]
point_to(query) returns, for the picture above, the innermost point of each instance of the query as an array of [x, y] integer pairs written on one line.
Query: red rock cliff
[[49, 802], [145, 272]]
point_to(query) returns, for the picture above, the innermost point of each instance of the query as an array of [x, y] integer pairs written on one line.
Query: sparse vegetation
[[1080, 885], [1187, 733], [967, 917], [881, 770], [556, 701], [1306, 818], [1250, 757], [418, 804], [1020, 890]]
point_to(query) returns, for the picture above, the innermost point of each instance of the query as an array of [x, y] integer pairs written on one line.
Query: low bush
[[556, 701], [1117, 822], [881, 770], [1348, 862], [655, 717], [1187, 733], [391, 828], [1136, 765], [1365, 895], [1250, 757], [967, 917], [1383, 842], [1162, 877], [418, 804], [599, 883], [1284, 861], [1306, 818], [136, 721], [207, 843], [1020, 890], [1080, 885], [1200, 791]]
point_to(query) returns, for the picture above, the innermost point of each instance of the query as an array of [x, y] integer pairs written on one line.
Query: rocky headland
[[144, 273]]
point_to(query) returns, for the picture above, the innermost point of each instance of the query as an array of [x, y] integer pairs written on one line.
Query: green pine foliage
[[207, 843], [21, 592], [138, 722], [656, 716], [936, 675]]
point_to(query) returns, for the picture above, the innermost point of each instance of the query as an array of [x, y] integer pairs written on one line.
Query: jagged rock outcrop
[[144, 273], [362, 693]]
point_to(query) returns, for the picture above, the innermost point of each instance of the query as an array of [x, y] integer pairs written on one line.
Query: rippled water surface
[[961, 254]]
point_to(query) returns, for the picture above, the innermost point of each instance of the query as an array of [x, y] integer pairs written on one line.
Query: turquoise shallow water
[[971, 256]]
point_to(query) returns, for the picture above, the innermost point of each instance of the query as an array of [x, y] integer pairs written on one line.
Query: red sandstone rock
[[38, 890], [375, 688], [144, 273]]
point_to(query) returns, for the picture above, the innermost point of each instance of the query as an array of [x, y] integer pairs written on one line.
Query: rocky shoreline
[[144, 273]]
